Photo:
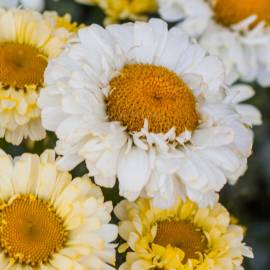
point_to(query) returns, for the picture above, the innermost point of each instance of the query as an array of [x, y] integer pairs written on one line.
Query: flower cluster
[[151, 109]]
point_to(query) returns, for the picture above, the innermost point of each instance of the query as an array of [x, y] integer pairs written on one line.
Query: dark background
[[248, 200]]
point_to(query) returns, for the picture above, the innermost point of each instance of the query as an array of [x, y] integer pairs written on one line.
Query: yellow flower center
[[21, 65], [229, 12], [30, 230], [182, 235], [143, 91]]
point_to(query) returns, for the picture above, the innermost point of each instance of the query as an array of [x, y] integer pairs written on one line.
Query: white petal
[[52, 117], [177, 43], [241, 92], [25, 174], [250, 114], [213, 72], [133, 170], [212, 137], [108, 232]]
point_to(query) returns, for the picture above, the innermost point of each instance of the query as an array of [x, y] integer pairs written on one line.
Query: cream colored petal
[[15, 134], [53, 47], [7, 27], [89, 239], [95, 191], [120, 210], [94, 263], [72, 215], [108, 232], [48, 156], [6, 167], [104, 212], [90, 206], [133, 239], [47, 267], [46, 180], [63, 180], [75, 252], [125, 228], [21, 267], [76, 222], [62, 262], [81, 215], [4, 263], [36, 132], [108, 255], [78, 188], [26, 173], [42, 35]]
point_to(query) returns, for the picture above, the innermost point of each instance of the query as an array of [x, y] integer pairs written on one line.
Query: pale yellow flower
[[184, 237], [124, 9], [28, 40], [48, 222]]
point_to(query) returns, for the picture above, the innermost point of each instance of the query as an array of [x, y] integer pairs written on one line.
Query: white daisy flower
[[48, 221], [236, 31], [146, 105]]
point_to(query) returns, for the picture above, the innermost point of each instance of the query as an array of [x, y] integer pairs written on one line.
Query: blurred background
[[248, 200]]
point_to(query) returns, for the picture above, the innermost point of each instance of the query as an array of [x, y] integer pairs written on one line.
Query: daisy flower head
[[236, 31], [146, 105], [124, 9], [182, 237], [28, 40], [48, 221]]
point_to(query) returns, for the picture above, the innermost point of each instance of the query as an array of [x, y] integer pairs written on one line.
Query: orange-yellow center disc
[[21, 65], [30, 230], [229, 12], [182, 235], [143, 91]]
